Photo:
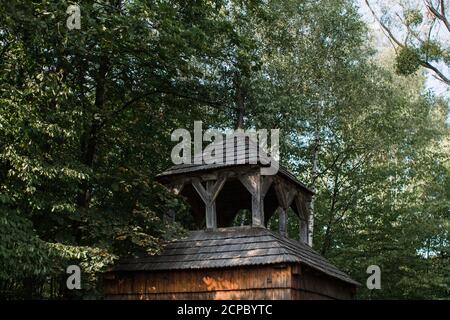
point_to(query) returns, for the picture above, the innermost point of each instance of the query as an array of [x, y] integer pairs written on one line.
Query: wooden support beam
[[282, 223], [209, 196], [303, 216], [200, 190], [257, 212], [266, 182], [215, 187], [290, 196], [279, 192], [211, 216], [253, 184], [285, 195]]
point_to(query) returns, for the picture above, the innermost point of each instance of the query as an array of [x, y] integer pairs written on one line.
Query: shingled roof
[[230, 247], [242, 156]]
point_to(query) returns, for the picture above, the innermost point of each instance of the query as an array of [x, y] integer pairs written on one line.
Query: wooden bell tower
[[245, 188], [220, 260]]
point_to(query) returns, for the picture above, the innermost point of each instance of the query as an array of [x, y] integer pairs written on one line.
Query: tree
[[83, 113], [420, 35], [378, 135], [382, 195], [86, 117]]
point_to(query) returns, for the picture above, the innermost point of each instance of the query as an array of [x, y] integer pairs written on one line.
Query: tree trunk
[[89, 141], [239, 102], [314, 174]]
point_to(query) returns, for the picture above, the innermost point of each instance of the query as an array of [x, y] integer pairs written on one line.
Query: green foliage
[[407, 61], [432, 50], [77, 139], [413, 17], [86, 117], [22, 253], [384, 197], [420, 31]]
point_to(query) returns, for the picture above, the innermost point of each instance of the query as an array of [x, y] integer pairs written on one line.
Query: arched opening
[[197, 207], [292, 224], [270, 205], [272, 221], [233, 198], [243, 218]]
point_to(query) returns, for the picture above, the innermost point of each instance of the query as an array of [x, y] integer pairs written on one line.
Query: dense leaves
[[86, 117]]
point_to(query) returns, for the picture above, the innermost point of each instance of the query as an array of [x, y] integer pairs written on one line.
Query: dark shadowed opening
[[196, 203], [232, 198]]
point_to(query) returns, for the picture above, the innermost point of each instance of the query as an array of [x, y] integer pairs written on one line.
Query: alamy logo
[[74, 19], [237, 147], [374, 280], [74, 280]]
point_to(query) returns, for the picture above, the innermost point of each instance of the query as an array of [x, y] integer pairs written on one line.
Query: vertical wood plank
[[211, 216], [303, 231], [257, 202], [282, 221], [303, 218]]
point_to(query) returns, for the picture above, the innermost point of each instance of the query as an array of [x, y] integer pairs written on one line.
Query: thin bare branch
[[438, 14], [384, 27], [441, 76], [423, 63]]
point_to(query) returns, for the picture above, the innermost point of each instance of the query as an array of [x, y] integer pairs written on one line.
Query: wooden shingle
[[232, 247], [242, 156]]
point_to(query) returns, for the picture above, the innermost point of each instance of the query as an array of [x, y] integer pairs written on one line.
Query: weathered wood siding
[[276, 282], [309, 284], [258, 282]]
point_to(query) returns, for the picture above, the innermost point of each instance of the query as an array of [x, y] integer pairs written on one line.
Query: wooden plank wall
[[255, 282], [269, 282], [309, 284]]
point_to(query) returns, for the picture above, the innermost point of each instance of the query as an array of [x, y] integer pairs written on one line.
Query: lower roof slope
[[231, 247]]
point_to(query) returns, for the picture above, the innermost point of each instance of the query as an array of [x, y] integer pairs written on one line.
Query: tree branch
[[439, 74], [132, 101], [384, 27], [440, 15], [423, 63]]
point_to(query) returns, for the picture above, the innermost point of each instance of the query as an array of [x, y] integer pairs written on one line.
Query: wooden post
[[258, 187], [209, 196], [302, 208], [211, 216], [282, 223], [266, 182], [257, 215], [303, 231], [285, 197]]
